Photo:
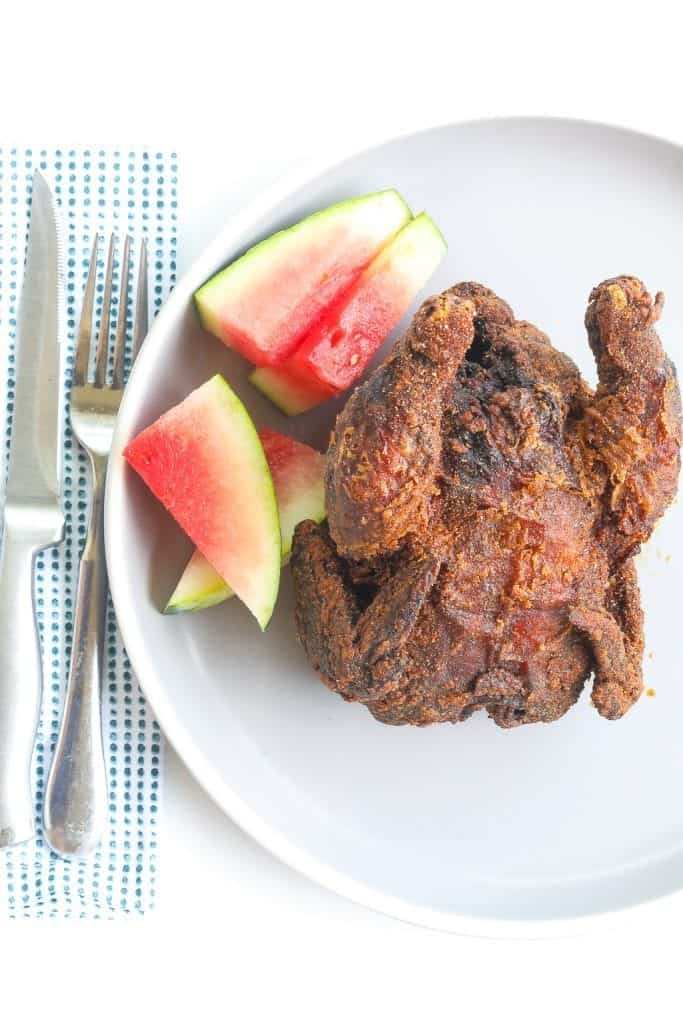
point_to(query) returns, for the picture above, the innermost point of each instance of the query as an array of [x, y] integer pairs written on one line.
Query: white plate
[[465, 827]]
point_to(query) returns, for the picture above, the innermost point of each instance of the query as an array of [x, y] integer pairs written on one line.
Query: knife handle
[[26, 531], [76, 798]]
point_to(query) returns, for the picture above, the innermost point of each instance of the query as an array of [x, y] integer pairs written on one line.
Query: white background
[[245, 91]]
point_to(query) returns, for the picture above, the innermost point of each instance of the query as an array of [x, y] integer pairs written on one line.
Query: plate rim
[[224, 796]]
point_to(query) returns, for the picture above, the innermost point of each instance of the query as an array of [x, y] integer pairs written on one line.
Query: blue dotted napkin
[[99, 190]]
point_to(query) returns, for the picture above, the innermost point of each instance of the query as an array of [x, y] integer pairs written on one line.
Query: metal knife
[[32, 514]]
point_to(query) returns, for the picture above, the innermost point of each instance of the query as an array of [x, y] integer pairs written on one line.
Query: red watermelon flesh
[[263, 304], [339, 347], [204, 461]]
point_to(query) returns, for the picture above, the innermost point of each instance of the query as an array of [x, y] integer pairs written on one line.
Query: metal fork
[[76, 800]]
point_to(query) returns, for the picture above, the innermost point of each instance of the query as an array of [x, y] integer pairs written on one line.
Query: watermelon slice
[[297, 472], [204, 461], [338, 348], [265, 302]]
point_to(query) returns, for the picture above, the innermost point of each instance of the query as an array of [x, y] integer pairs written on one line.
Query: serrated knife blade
[[33, 473]]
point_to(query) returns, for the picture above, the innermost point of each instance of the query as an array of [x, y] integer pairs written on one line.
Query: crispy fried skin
[[484, 507]]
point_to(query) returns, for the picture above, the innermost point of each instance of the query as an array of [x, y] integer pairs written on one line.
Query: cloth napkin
[[99, 190]]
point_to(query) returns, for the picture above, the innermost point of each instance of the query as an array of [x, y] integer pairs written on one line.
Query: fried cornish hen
[[484, 507]]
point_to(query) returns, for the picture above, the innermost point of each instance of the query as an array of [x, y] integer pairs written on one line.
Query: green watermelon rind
[[243, 265], [263, 614], [198, 588], [292, 397]]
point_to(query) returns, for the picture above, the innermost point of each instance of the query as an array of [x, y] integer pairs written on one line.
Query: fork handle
[[76, 801], [26, 531]]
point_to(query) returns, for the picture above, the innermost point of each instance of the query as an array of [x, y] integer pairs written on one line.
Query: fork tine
[[121, 319], [141, 324], [80, 374], [103, 337]]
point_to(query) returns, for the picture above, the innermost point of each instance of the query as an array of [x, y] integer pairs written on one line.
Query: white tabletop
[[244, 97]]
